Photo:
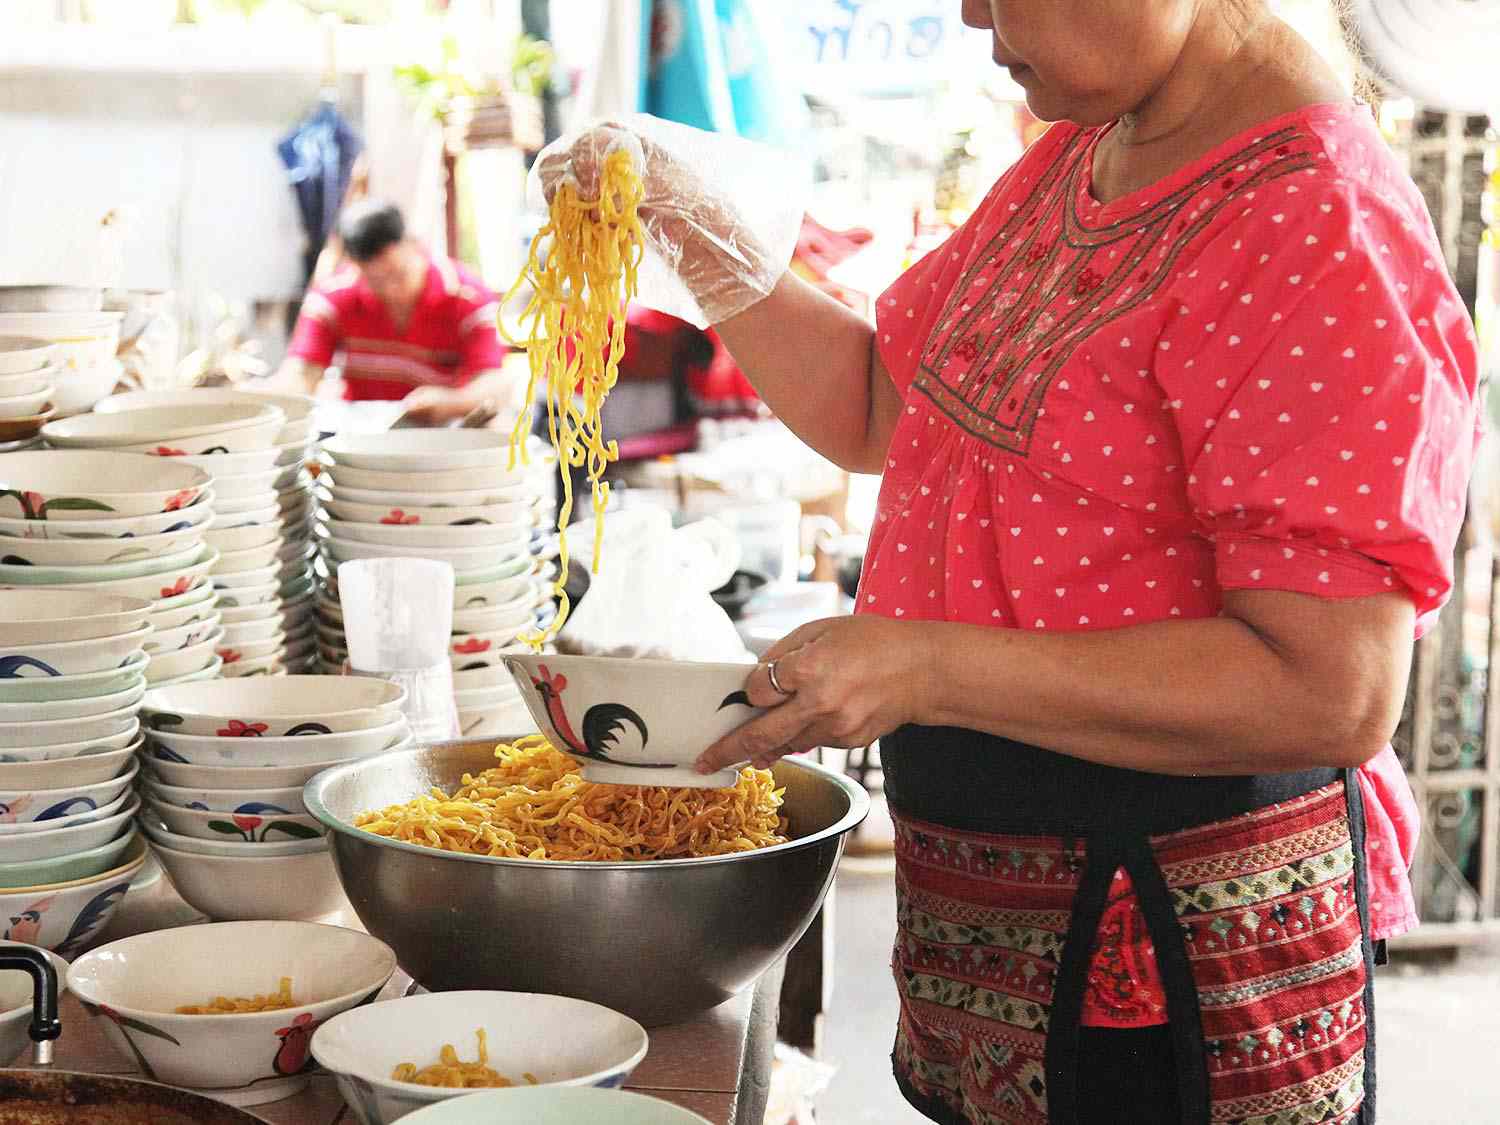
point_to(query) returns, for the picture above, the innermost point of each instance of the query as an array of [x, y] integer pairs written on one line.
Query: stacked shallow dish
[[28, 382], [84, 354], [71, 682], [265, 537], [123, 524], [225, 763], [448, 495]]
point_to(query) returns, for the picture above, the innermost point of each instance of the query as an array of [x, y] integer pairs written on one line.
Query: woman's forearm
[[813, 361], [1205, 697]]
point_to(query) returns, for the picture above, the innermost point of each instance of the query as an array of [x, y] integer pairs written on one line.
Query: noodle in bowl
[[659, 940]]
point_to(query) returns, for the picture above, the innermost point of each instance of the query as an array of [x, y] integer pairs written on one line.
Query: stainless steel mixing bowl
[[658, 941]]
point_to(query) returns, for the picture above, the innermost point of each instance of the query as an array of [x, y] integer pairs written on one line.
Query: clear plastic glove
[[721, 214]]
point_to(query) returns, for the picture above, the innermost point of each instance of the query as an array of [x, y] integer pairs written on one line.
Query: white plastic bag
[[651, 597], [721, 214]]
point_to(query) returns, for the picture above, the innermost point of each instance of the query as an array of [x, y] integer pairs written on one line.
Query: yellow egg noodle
[[229, 1006], [451, 1072], [582, 272], [534, 804]]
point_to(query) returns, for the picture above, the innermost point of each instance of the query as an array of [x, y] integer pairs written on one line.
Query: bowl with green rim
[[28, 575], [131, 738], [209, 672], [194, 515], [84, 708], [162, 585], [85, 685], [66, 868], [98, 552]]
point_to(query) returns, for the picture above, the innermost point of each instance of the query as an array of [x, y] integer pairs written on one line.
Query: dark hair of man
[[367, 228]]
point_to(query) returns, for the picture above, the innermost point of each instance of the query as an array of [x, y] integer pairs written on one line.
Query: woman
[[1175, 436]]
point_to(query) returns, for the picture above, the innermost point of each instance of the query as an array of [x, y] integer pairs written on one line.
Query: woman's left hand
[[850, 680]]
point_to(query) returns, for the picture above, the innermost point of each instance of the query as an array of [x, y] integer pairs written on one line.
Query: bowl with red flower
[[137, 986], [284, 707]]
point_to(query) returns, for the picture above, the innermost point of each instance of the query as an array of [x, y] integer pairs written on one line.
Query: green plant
[[434, 88]]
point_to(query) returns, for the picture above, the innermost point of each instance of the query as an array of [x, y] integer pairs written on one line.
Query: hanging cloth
[[319, 157]]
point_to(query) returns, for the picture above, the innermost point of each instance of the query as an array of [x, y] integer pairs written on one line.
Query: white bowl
[[75, 865], [497, 481], [263, 557], [41, 616], [238, 595], [423, 451], [269, 515], [183, 636], [293, 453], [232, 539], [259, 611], [27, 383], [293, 478], [244, 1058], [465, 499], [293, 707], [297, 408], [82, 383], [256, 887], [248, 802], [218, 465], [253, 632], [83, 341], [194, 516], [15, 1005], [184, 661], [67, 658], [66, 917], [59, 820], [515, 536], [277, 751], [462, 559], [550, 1105], [479, 650], [162, 586], [60, 751], [663, 714], [557, 1039], [246, 650], [94, 484], [246, 667], [26, 405], [262, 827], [415, 515], [235, 777], [20, 354], [31, 575], [172, 431], [53, 732], [159, 834], [60, 772], [84, 707], [209, 671], [497, 678], [247, 505], [51, 298], [59, 806], [99, 552], [243, 486], [198, 604], [492, 595], [65, 841]]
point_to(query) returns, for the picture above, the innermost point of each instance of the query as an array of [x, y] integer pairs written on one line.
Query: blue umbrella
[[319, 158]]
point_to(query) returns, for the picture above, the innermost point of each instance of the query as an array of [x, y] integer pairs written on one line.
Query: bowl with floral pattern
[[255, 885], [105, 552], [66, 916], [244, 668], [81, 685], [55, 842], [514, 535], [553, 1040], [77, 485], [195, 515], [52, 732], [136, 985], [256, 823], [58, 773], [297, 408], [290, 707], [37, 659], [64, 815], [129, 738], [162, 585], [159, 834], [56, 807], [256, 778], [214, 750], [166, 666], [198, 604], [249, 801], [172, 431], [27, 574]]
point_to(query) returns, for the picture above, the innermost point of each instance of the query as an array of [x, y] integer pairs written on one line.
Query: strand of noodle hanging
[[582, 272]]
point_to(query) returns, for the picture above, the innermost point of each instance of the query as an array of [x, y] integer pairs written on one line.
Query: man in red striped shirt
[[405, 325]]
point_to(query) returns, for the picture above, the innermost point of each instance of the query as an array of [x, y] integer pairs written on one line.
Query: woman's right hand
[[695, 229]]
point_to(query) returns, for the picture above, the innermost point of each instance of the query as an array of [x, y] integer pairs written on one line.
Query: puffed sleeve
[[1325, 395]]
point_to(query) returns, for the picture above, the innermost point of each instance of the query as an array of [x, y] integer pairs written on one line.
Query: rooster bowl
[[635, 722]]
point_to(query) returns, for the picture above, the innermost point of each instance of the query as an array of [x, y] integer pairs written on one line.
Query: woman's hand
[[851, 679]]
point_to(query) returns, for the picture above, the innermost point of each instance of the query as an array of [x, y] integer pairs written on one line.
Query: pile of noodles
[[534, 804]]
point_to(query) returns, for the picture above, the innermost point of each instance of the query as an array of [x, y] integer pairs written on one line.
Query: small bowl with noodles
[[396, 1057], [228, 1010], [657, 902]]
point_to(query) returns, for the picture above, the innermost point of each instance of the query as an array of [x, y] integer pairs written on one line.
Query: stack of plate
[[118, 523], [447, 495], [266, 496], [225, 763], [87, 369], [27, 385], [71, 682]]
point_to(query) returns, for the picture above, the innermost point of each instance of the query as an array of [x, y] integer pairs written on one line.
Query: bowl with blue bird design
[[66, 917], [57, 807]]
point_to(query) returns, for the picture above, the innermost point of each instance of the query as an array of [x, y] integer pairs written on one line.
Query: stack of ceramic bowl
[[447, 495], [225, 765], [27, 386], [85, 340], [117, 523], [71, 681], [265, 499]]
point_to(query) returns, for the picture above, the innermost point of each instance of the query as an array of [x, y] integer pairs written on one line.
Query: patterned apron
[[1258, 917]]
